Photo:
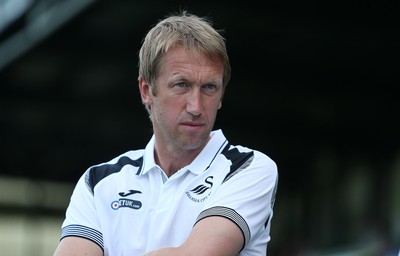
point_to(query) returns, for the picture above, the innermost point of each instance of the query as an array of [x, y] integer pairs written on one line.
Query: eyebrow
[[181, 77]]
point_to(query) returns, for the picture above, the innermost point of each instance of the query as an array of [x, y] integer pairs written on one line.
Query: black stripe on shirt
[[99, 172], [240, 160], [84, 232], [229, 214]]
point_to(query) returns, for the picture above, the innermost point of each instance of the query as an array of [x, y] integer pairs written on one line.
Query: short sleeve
[[247, 198], [81, 218]]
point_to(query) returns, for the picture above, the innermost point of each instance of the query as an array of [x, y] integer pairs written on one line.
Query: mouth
[[192, 125]]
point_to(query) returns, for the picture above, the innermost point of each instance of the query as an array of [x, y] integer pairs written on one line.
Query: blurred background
[[314, 86]]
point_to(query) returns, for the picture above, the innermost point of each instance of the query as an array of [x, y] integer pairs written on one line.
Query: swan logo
[[201, 192]]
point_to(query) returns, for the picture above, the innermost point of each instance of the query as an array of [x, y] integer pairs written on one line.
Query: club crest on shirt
[[124, 202], [201, 192]]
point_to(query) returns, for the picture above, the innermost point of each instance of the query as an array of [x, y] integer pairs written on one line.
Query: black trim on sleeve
[[99, 172], [229, 214], [240, 160], [83, 232]]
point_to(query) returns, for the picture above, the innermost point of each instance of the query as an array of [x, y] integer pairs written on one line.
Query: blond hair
[[187, 30]]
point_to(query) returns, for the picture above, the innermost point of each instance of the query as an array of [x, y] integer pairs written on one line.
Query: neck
[[170, 162]]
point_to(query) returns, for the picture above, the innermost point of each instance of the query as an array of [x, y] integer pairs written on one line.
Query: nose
[[194, 103]]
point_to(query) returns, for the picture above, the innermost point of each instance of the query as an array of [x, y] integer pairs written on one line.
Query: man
[[189, 192]]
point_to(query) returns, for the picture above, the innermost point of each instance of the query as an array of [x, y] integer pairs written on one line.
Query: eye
[[180, 84], [180, 87], [210, 88]]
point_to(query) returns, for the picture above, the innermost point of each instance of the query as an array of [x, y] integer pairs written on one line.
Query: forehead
[[180, 58]]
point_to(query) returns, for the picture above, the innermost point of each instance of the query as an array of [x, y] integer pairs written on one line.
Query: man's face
[[188, 94]]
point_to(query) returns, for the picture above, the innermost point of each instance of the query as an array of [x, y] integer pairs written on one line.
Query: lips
[[194, 124]]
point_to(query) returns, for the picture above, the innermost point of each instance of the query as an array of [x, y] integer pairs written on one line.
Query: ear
[[220, 104], [145, 92]]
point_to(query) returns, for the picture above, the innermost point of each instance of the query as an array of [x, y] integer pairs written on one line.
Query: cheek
[[212, 109], [167, 107]]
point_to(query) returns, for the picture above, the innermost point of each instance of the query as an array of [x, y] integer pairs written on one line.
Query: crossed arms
[[212, 236]]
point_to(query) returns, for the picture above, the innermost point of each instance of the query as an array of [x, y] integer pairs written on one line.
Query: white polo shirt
[[128, 206]]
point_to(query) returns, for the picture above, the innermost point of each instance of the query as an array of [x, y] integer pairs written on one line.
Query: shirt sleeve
[[247, 198], [81, 218]]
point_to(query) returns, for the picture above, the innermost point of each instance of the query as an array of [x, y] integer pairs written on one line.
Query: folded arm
[[77, 246], [212, 236]]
